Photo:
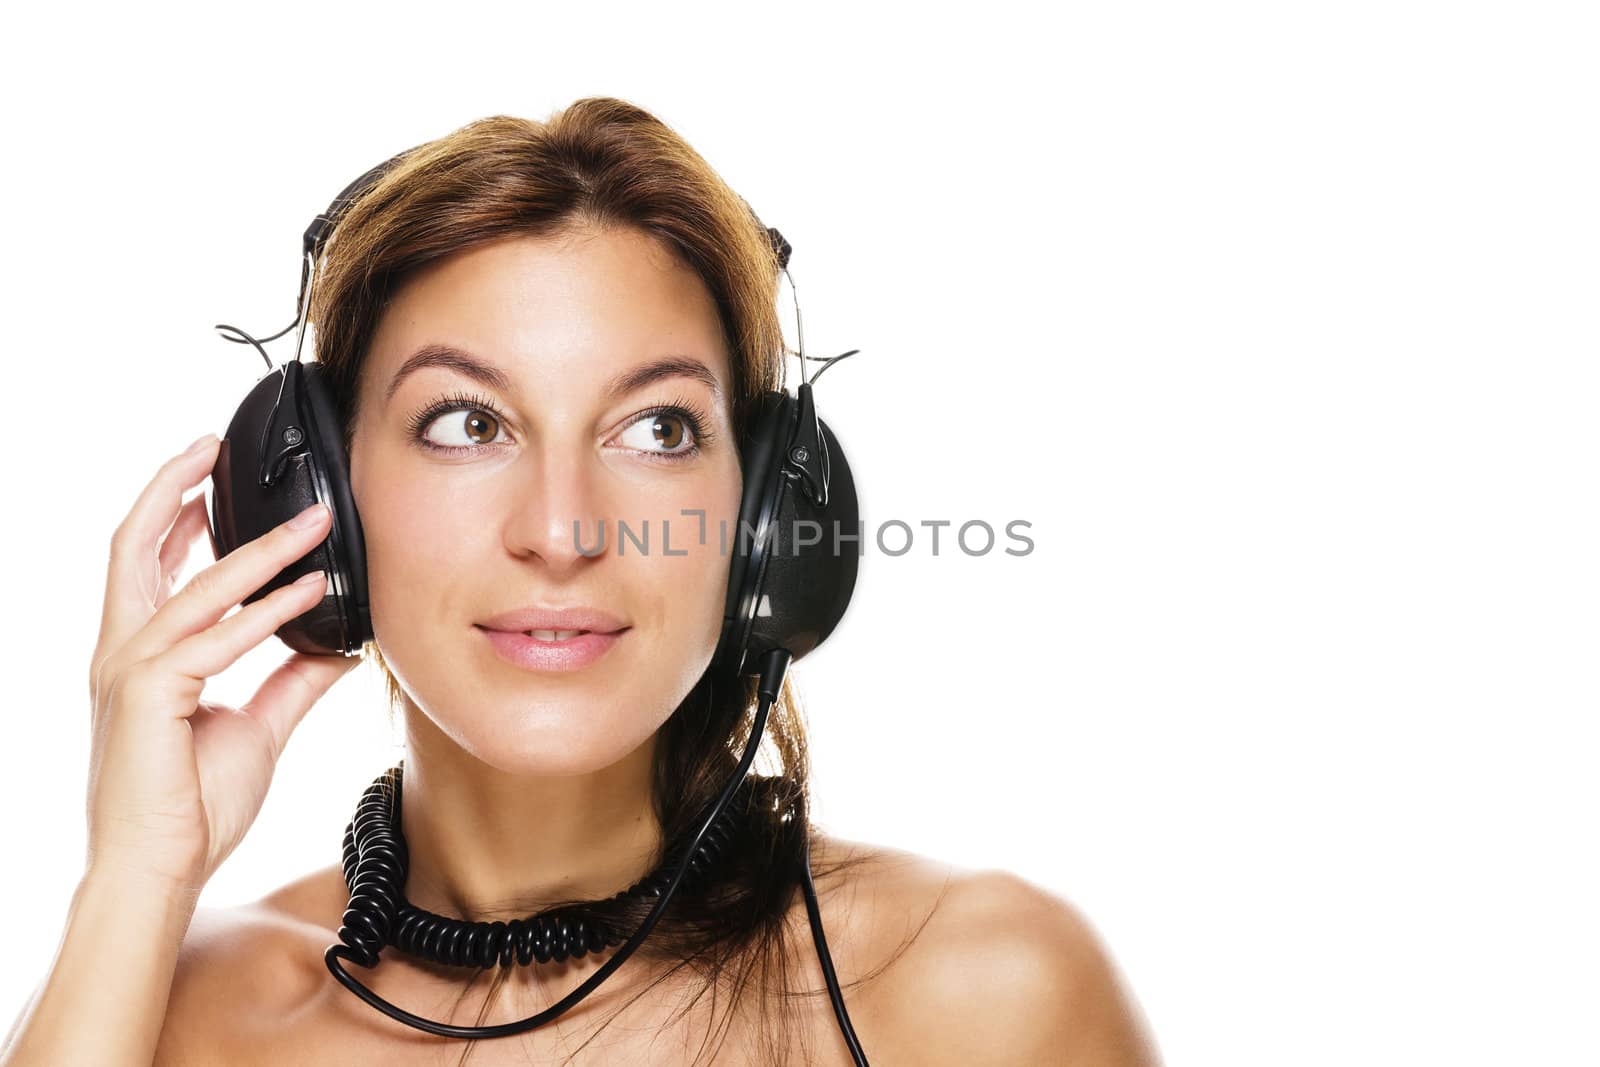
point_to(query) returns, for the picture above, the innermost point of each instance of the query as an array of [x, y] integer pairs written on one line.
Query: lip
[[574, 618], [532, 654]]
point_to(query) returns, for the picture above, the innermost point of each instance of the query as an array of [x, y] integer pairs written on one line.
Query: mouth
[[551, 621], [552, 650], [554, 636]]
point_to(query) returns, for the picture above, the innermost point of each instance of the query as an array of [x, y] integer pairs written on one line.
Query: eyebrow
[[675, 365]]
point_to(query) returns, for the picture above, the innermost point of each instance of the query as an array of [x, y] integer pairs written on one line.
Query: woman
[[532, 328]]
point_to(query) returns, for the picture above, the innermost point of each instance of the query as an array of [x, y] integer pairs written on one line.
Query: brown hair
[[605, 162]]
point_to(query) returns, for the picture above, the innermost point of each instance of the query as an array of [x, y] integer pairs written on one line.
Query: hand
[[175, 781]]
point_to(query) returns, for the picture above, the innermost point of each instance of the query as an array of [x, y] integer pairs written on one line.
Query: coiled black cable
[[375, 866], [377, 879]]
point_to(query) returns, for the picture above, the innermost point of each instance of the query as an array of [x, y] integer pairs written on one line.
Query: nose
[[556, 508]]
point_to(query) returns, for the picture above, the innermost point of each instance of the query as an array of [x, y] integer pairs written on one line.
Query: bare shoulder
[[1015, 973], [242, 970]]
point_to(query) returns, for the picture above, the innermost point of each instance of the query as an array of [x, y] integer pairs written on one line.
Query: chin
[[552, 724], [551, 738]]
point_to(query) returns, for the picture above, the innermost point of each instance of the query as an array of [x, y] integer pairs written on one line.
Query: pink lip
[[540, 618], [532, 654]]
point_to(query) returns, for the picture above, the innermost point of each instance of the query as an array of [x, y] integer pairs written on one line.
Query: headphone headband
[[321, 228]]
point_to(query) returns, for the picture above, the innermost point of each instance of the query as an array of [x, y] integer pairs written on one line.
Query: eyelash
[[680, 407]]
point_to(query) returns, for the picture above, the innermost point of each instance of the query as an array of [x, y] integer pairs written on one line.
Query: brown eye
[[668, 430], [478, 426], [481, 427], [663, 433]]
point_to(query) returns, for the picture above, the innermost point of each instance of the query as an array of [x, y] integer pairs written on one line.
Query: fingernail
[[320, 577], [199, 444], [309, 517]]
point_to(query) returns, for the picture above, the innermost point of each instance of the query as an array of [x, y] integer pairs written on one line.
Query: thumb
[[290, 690]]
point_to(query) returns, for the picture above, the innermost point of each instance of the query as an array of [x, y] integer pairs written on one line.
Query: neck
[[487, 845]]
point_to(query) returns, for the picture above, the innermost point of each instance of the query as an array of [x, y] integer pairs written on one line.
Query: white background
[[1276, 321]]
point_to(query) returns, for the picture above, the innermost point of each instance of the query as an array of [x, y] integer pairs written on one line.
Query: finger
[[173, 554], [215, 591], [191, 522], [187, 664], [290, 691], [128, 598]]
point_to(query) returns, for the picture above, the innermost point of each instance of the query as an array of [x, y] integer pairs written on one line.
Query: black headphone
[[283, 452]]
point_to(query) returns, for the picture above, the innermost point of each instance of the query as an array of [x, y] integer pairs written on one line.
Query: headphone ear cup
[[347, 545], [294, 400], [758, 458], [794, 564], [811, 566]]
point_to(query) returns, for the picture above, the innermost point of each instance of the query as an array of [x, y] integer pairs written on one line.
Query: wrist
[[116, 880]]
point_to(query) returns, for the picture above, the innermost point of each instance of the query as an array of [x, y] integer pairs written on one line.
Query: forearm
[[105, 997]]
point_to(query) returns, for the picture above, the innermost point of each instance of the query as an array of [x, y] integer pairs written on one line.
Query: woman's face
[[469, 512]]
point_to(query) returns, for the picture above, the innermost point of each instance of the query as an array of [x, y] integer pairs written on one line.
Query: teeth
[[555, 635]]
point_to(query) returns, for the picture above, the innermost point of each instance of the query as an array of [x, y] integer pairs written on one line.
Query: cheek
[[685, 574], [415, 538]]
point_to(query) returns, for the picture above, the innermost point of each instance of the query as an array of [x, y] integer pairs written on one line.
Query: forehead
[[564, 311]]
